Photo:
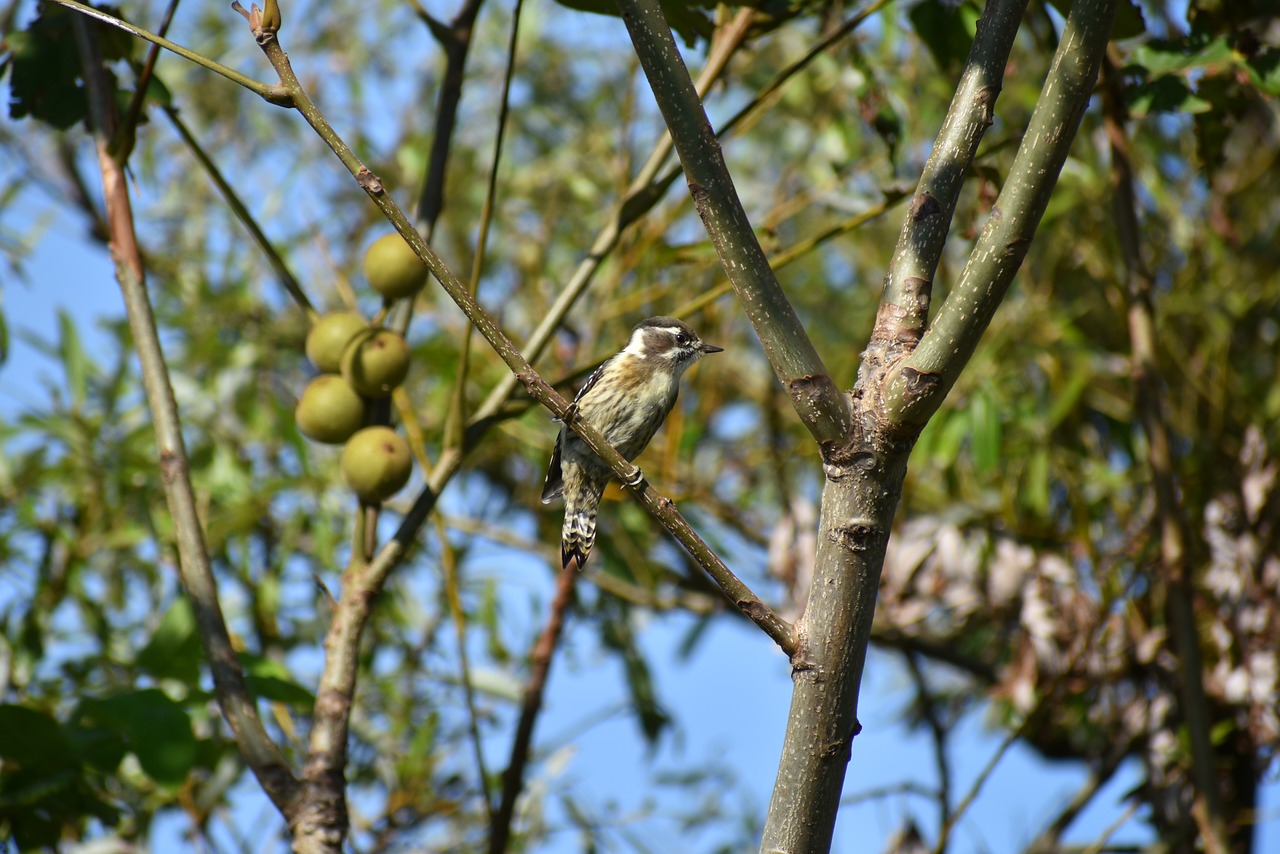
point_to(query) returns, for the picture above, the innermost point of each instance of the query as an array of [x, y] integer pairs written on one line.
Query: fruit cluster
[[358, 363]]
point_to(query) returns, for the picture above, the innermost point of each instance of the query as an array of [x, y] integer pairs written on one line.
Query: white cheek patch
[[635, 346]]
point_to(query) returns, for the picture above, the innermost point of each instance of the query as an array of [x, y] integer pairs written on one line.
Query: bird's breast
[[629, 410]]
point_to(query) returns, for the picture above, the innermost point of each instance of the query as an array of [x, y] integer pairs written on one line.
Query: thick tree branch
[[237, 704], [822, 407], [904, 306], [915, 388], [865, 476]]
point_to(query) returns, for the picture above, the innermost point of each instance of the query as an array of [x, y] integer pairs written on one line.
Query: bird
[[627, 398]]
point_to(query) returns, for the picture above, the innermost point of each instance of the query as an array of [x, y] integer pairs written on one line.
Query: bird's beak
[[711, 348]]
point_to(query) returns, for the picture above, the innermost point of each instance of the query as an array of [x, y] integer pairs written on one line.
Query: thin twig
[[287, 279], [455, 424], [928, 706], [456, 41], [530, 705], [1049, 840], [272, 94], [134, 111], [453, 596]]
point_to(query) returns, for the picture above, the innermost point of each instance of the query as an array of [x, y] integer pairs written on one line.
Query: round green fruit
[[393, 269], [375, 362], [328, 339], [329, 410], [376, 464]]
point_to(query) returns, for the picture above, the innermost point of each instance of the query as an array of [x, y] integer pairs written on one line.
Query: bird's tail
[[579, 532]]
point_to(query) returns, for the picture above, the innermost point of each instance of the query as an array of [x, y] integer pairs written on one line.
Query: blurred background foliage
[[1024, 573]]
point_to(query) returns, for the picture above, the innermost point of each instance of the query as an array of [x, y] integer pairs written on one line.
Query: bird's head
[[668, 341]]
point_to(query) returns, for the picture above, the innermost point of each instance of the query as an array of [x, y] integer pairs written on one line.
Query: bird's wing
[[593, 379], [554, 485]]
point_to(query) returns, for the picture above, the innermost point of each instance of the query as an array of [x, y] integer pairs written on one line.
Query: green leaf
[[985, 420], [173, 651], [946, 29], [32, 739], [1129, 21], [1035, 487], [280, 691], [45, 83], [1264, 71], [689, 20], [156, 729], [271, 680], [73, 359], [1164, 57], [1168, 94]]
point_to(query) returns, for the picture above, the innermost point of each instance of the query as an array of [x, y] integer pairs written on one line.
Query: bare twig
[[456, 41], [928, 706], [1049, 840], [530, 705], [287, 279], [272, 94]]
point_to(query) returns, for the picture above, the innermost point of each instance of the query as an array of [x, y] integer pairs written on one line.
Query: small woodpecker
[[626, 399]]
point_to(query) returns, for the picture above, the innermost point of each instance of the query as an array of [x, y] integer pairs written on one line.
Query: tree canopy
[[1087, 541]]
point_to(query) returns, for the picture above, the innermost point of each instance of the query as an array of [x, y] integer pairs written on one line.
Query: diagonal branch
[[660, 507], [822, 407], [287, 279], [272, 94], [915, 388]]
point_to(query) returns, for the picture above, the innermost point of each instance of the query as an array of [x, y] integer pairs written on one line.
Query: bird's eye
[[682, 339]]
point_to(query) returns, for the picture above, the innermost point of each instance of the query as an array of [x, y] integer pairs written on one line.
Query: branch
[[456, 41], [1174, 530], [1049, 840], [904, 306], [822, 407], [287, 279], [530, 706], [928, 707], [661, 508], [272, 94], [915, 387], [238, 706]]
